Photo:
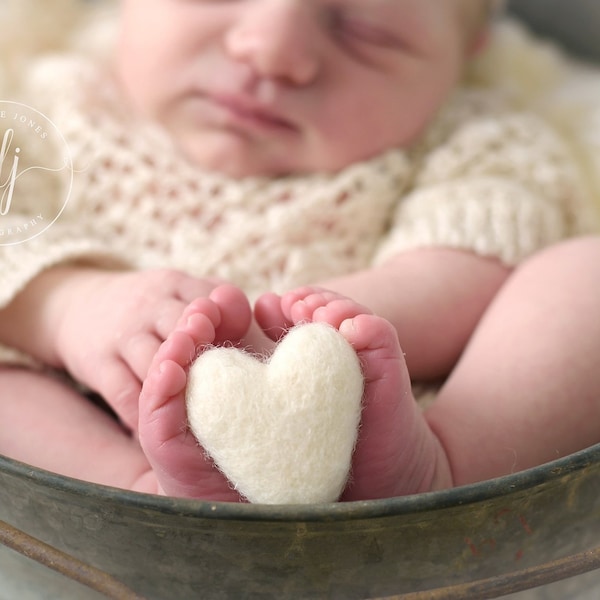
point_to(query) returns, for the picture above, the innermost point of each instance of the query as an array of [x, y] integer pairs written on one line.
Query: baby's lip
[[246, 109]]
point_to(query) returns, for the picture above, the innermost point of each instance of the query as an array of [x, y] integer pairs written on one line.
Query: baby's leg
[[45, 423], [396, 453], [179, 464], [527, 389]]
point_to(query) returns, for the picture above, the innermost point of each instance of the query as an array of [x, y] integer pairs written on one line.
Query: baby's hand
[[114, 324]]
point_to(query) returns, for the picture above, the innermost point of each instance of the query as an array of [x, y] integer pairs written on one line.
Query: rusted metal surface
[[525, 579], [63, 563], [490, 538]]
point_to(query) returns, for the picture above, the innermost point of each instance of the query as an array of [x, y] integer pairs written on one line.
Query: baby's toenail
[[195, 319], [347, 325]]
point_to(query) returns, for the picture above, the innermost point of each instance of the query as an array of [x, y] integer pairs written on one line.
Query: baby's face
[[274, 87]]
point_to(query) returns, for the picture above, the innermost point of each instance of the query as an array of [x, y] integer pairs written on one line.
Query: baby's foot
[[396, 453], [179, 463]]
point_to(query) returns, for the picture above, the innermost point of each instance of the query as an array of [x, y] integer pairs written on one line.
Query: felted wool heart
[[282, 431]]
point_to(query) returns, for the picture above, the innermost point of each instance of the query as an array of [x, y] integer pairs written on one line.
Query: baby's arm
[[433, 296], [103, 327]]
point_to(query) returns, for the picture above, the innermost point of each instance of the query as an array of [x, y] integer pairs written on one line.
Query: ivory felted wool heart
[[282, 431]]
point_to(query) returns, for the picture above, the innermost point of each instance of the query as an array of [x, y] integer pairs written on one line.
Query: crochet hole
[[342, 198], [148, 161], [327, 225], [284, 198], [155, 245], [213, 223], [196, 212], [215, 191]]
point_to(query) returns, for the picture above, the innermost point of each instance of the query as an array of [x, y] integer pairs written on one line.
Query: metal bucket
[[477, 541]]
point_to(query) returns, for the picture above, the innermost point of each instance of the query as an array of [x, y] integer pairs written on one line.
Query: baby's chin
[[236, 158], [239, 156]]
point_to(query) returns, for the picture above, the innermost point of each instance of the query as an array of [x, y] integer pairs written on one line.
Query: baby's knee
[[573, 257], [580, 249]]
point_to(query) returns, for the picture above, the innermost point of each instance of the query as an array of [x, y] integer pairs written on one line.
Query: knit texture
[[487, 177]]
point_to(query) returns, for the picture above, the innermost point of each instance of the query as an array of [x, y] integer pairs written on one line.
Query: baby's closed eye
[[365, 29]]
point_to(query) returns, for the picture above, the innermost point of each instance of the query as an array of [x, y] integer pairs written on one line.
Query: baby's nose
[[277, 38]]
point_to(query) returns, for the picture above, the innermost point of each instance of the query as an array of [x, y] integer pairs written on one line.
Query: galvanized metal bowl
[[497, 536]]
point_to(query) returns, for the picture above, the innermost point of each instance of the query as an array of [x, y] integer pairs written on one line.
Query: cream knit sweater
[[487, 178]]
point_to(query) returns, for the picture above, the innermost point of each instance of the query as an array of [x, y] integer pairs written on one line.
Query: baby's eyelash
[[362, 30]]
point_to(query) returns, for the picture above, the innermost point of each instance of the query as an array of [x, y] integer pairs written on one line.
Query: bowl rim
[[534, 477]]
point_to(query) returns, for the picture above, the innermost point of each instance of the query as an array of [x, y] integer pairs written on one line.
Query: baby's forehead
[[377, 4]]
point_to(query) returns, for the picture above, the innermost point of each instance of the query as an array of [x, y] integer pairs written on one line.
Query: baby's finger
[[167, 317], [121, 388], [138, 350]]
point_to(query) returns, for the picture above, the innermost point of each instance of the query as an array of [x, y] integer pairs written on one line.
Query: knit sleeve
[[21, 263], [498, 183]]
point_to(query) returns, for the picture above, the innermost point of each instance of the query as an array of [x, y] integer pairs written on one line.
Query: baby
[[240, 150]]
